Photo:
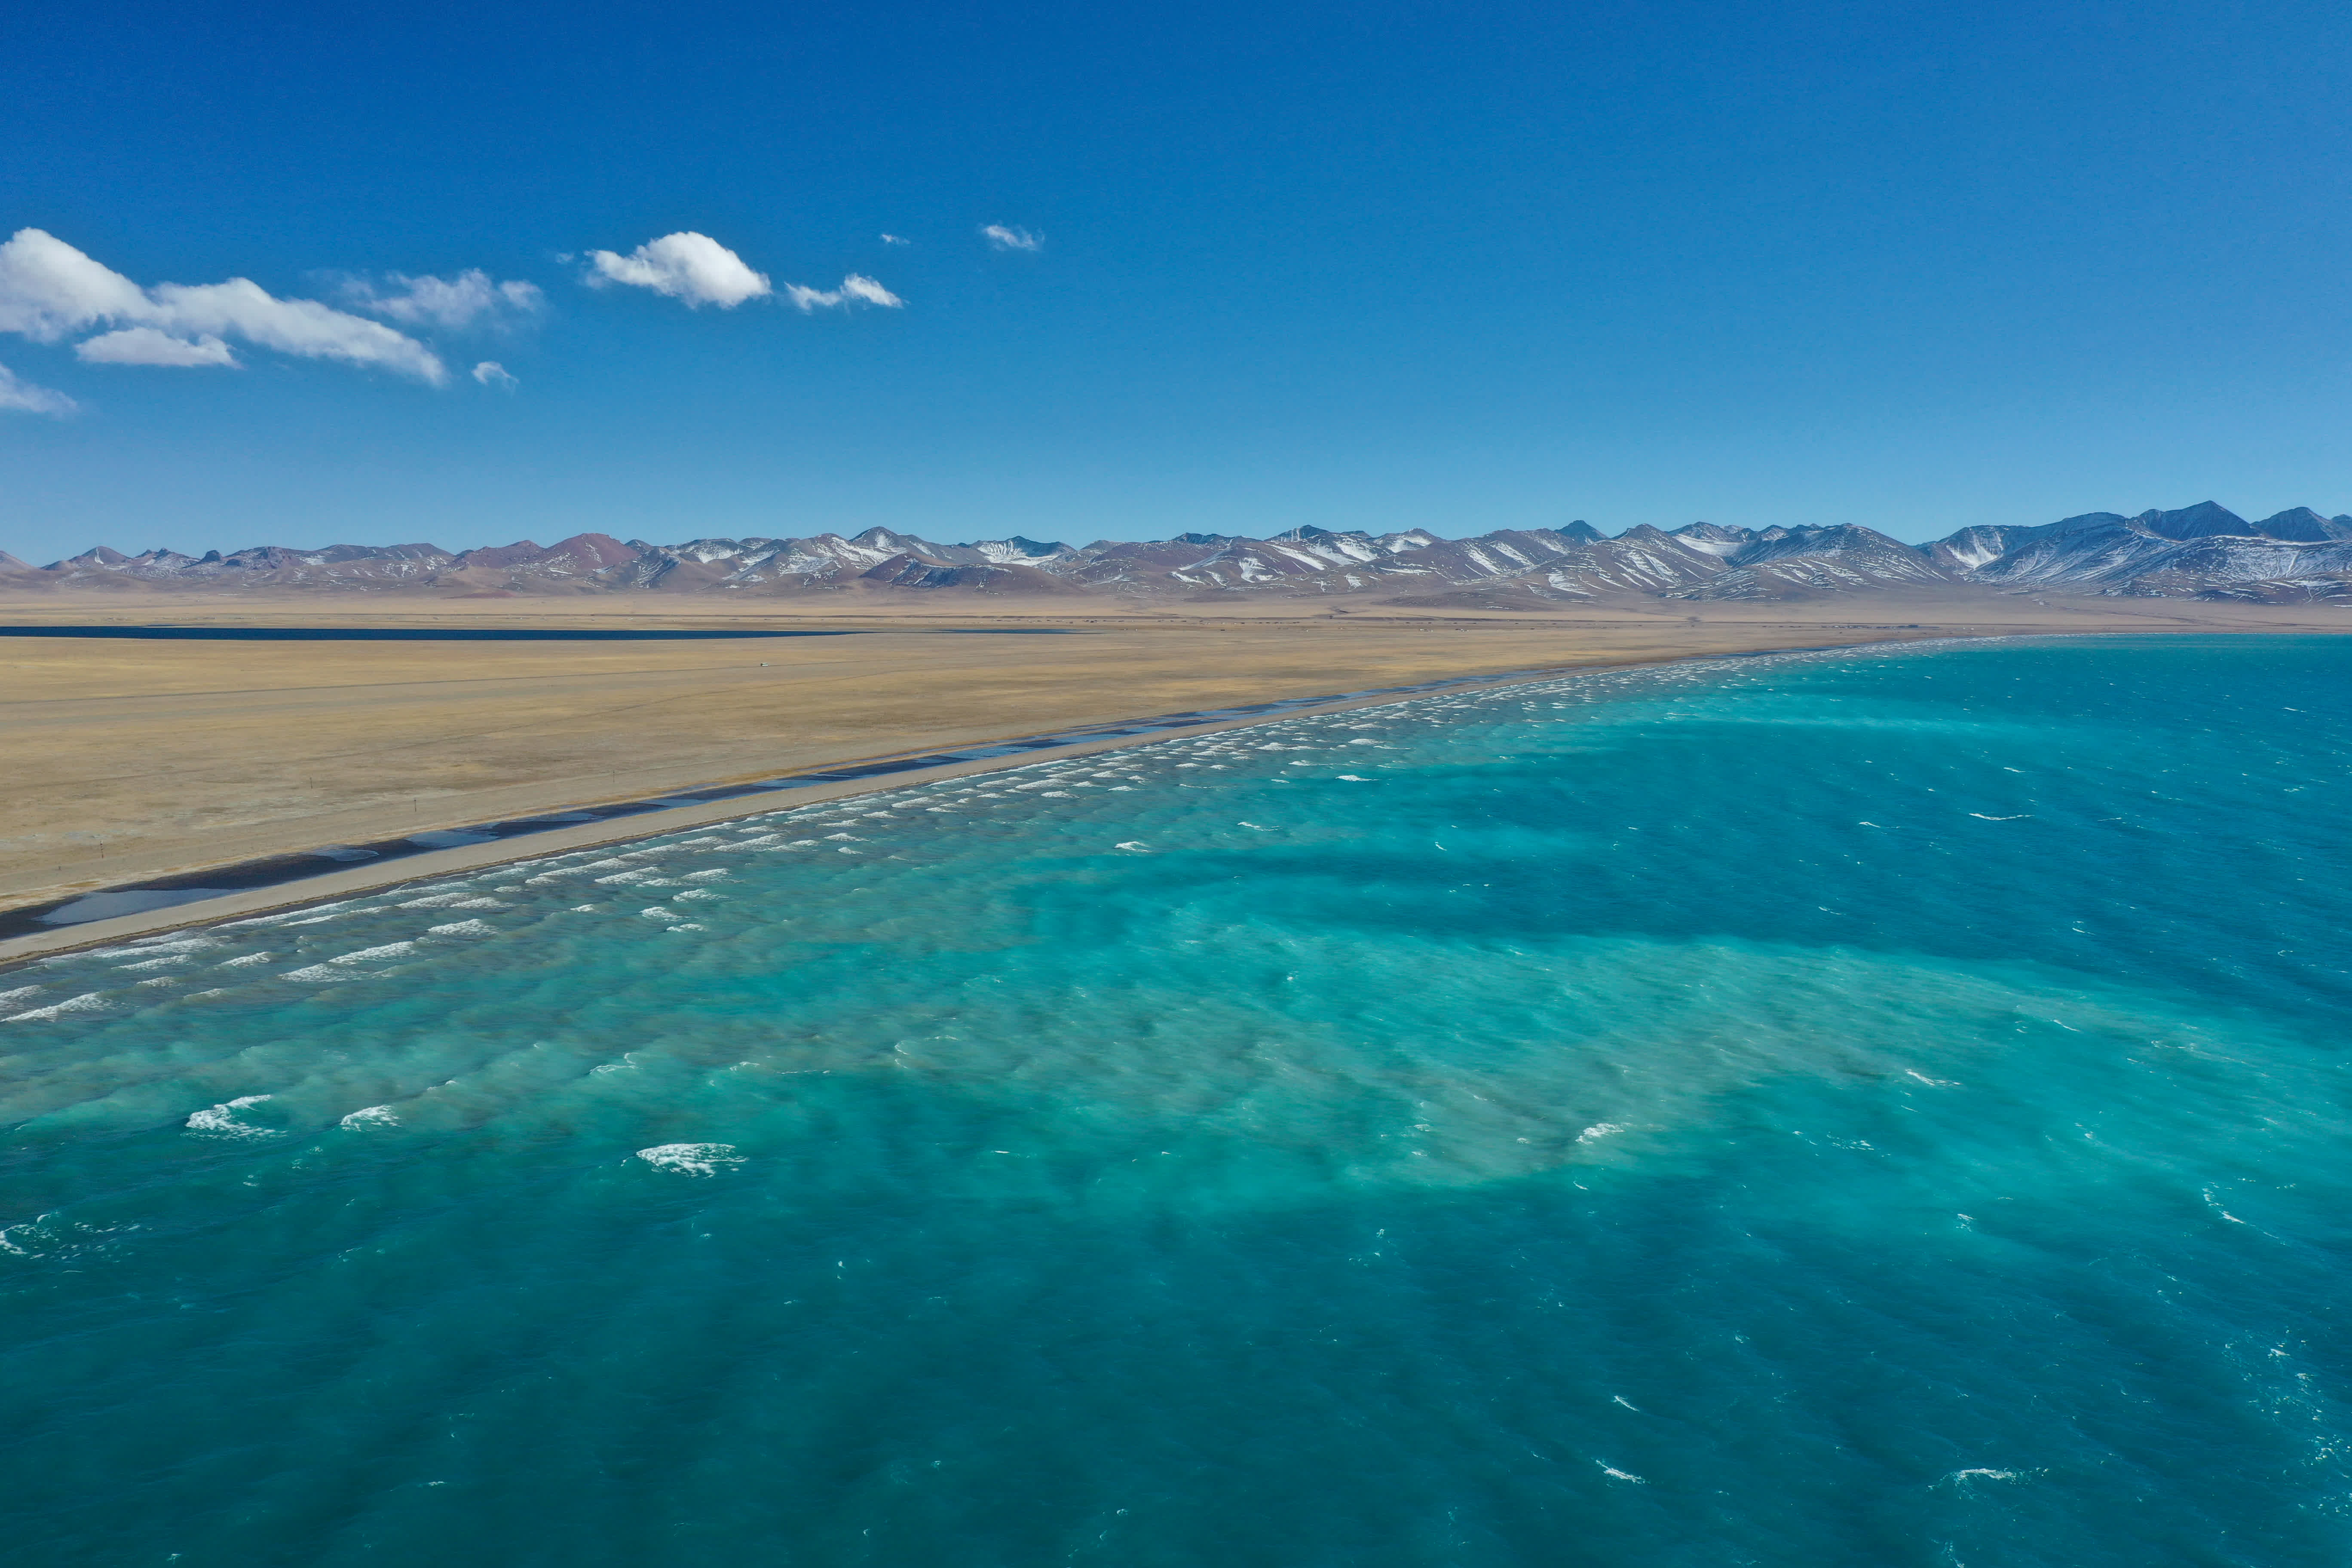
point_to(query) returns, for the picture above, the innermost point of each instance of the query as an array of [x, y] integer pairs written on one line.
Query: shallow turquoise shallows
[[1881, 1108]]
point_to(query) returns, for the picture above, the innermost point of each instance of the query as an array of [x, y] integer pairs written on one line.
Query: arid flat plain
[[131, 758]]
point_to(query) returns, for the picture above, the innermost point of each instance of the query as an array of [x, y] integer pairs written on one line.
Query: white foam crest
[[463, 928], [221, 1120], [609, 863], [373, 1116], [1958, 1479], [317, 975], [88, 1002], [691, 1159], [152, 946], [285, 917], [372, 954]]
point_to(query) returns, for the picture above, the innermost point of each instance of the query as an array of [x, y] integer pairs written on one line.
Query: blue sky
[[1374, 265]]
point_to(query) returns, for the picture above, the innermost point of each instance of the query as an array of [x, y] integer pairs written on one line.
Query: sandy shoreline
[[150, 760], [328, 886]]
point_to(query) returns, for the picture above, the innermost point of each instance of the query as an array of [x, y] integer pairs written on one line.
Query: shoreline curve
[[679, 810]]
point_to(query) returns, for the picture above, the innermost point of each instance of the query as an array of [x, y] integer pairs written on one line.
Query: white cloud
[[242, 308], [451, 303], [24, 397], [145, 345], [858, 287], [1003, 238], [47, 289], [854, 289], [691, 267], [490, 373], [896, 239]]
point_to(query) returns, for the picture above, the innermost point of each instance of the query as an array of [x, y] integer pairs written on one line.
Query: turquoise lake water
[[1878, 1108]]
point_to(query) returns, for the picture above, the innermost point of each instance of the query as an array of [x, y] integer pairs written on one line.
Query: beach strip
[[27, 938]]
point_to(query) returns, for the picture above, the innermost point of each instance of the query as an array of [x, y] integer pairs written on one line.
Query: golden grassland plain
[[133, 759]]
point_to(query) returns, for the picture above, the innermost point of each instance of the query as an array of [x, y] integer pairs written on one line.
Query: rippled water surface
[[1861, 1109]]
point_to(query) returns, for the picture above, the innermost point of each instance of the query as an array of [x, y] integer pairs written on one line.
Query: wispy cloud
[[1001, 238], [896, 239], [490, 373], [453, 304], [145, 345], [856, 289], [49, 290], [18, 396], [691, 267]]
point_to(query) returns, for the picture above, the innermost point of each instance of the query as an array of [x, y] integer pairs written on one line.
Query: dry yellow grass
[[130, 759]]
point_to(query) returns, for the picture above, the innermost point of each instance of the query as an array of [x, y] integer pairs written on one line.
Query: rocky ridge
[[2202, 552]]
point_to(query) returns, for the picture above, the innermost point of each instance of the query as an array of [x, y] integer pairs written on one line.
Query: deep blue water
[[1870, 1109]]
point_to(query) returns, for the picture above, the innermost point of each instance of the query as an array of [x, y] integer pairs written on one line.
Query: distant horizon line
[[1198, 536]]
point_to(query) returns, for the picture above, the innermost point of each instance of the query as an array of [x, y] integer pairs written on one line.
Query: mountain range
[[2202, 552]]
